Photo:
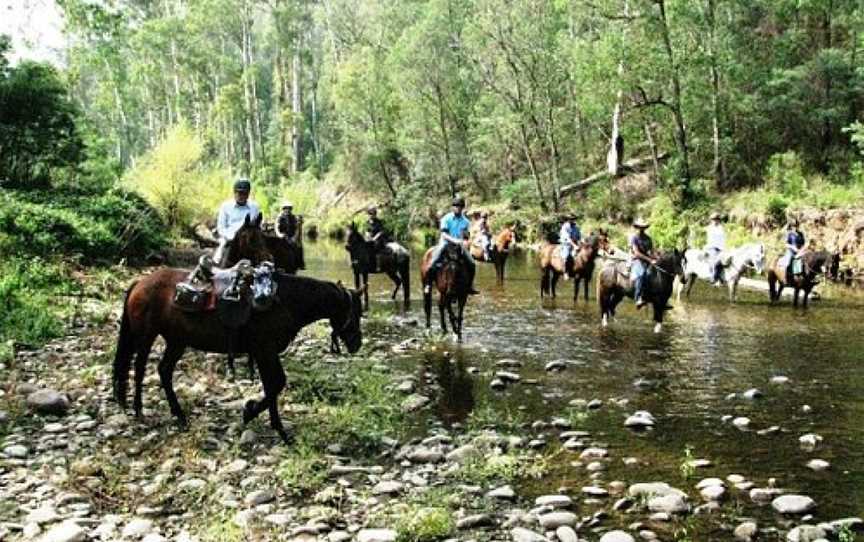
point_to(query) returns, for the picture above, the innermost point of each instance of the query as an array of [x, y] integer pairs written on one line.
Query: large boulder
[[48, 401]]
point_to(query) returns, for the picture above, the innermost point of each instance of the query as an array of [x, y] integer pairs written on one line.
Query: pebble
[[339, 536], [810, 441], [43, 514], [260, 496], [554, 501], [594, 453], [793, 504], [556, 365], [779, 379], [641, 418], [746, 531], [376, 535], [713, 493], [806, 533], [617, 536], [415, 402], [474, 521], [594, 491], [68, 531], [248, 437], [48, 401], [16, 451], [554, 520], [390, 487], [741, 422], [463, 454], [565, 533], [818, 464], [137, 528], [497, 384], [649, 489], [752, 393], [521, 534], [503, 492], [236, 467], [423, 454], [763, 494], [670, 504]]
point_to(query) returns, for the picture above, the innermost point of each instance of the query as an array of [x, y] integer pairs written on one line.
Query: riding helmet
[[242, 185], [287, 205], [372, 210], [459, 201]]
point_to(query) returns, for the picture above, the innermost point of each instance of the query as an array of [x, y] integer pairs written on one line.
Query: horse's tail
[[124, 354]]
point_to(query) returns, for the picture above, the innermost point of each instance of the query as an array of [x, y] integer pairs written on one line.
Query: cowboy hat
[[287, 205], [640, 223], [715, 216]]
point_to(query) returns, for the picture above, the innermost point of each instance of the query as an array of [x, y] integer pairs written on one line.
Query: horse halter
[[335, 347]]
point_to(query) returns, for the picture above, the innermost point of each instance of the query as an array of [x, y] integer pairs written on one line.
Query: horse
[[452, 284], [394, 260], [497, 253], [615, 283], [252, 243], [735, 262], [149, 312], [814, 263], [580, 266]]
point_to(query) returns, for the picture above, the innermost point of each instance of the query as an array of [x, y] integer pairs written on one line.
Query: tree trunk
[[615, 155], [719, 165], [526, 147], [655, 158], [297, 107], [249, 121]]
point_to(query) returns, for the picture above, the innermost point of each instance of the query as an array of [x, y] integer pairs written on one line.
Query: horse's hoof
[[658, 328], [287, 436], [249, 411], [182, 423]]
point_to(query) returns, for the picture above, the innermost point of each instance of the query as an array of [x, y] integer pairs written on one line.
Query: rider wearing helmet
[[569, 238], [232, 214], [454, 230], [716, 244]]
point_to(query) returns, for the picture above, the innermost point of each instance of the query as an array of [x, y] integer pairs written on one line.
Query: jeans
[[716, 266], [638, 271]]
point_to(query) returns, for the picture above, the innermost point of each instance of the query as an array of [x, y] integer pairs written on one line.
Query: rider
[[716, 244], [483, 235], [287, 229], [643, 256], [794, 246], [376, 234], [232, 213], [454, 230], [569, 238]]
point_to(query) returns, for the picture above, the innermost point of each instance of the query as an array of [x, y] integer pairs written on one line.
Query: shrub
[[785, 175], [29, 311]]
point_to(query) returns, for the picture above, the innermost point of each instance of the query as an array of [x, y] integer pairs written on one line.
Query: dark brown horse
[[615, 283], [814, 264], [498, 253], [149, 312], [394, 261], [580, 267], [452, 283], [252, 243]]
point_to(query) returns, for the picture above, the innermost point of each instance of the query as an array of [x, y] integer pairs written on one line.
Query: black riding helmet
[[242, 185], [459, 201]]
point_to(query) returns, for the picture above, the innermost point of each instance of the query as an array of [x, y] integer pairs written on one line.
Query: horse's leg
[[273, 384], [733, 288], [795, 299], [658, 316], [454, 321], [427, 308], [442, 301], [462, 301], [554, 281], [167, 365], [366, 290], [691, 280], [576, 280], [587, 283], [250, 364], [544, 281], [140, 368], [232, 372], [806, 296], [396, 280]]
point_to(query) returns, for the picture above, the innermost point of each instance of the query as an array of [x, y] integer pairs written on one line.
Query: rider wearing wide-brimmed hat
[[483, 234], [569, 238], [232, 214], [643, 256], [286, 224], [715, 245], [454, 230]]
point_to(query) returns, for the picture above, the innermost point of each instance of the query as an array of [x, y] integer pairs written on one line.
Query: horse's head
[[346, 324], [678, 261], [249, 241], [452, 253], [758, 257], [353, 237], [506, 238]]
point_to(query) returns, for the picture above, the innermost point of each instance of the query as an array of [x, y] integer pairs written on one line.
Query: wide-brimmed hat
[[640, 223], [715, 216], [287, 205], [242, 185], [484, 214]]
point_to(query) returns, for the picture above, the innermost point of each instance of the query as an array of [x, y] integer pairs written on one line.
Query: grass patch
[[302, 470], [424, 525], [220, 528]]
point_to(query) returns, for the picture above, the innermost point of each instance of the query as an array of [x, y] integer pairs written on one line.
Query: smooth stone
[[565, 533], [339, 536], [553, 520], [746, 531], [258, 497], [68, 531], [710, 482], [236, 467], [154, 537], [763, 494], [713, 493], [507, 362], [376, 535], [617, 536], [594, 491], [741, 422], [54, 427], [193, 484], [422, 454], [48, 401], [623, 503], [137, 528], [508, 377], [557, 365], [806, 533], [474, 521], [779, 379], [810, 441], [793, 504], [415, 402], [555, 501], [42, 515], [670, 504], [521, 534], [463, 454], [16, 451], [406, 387], [752, 393], [248, 437], [390, 487], [594, 404], [497, 384], [641, 418], [503, 492], [735, 479], [594, 453], [652, 489], [853, 524], [818, 464]]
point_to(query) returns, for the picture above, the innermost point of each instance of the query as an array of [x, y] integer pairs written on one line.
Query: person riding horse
[[643, 257], [794, 249], [454, 230], [716, 244], [232, 214], [483, 236], [376, 235], [569, 238], [286, 228]]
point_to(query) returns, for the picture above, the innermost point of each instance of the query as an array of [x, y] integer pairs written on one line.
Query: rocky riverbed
[[386, 449]]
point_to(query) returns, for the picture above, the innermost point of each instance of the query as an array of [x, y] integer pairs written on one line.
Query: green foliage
[[30, 304], [785, 175], [686, 467], [845, 533], [425, 525], [38, 133], [302, 469]]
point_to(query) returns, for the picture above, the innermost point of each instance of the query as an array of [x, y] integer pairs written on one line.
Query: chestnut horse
[[814, 263], [149, 312], [452, 284], [580, 266], [498, 252], [252, 243], [394, 261], [614, 284]]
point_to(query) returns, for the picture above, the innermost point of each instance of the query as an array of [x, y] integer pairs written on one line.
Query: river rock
[[741, 422], [764, 494], [779, 379], [653, 489], [474, 521], [810, 441], [818, 464], [746, 531], [594, 404], [521, 534], [553, 520], [555, 501], [793, 504], [509, 363], [154, 537], [503, 492], [16, 451], [137, 528], [423, 454], [670, 504], [707, 482], [751, 394], [594, 491], [565, 533], [68, 531], [641, 418], [376, 535], [508, 377], [387, 487], [42, 515], [48, 401], [415, 402], [806, 533], [463, 454], [406, 387], [617, 536], [497, 384], [556, 366], [713, 493], [853, 524], [594, 453], [259, 497]]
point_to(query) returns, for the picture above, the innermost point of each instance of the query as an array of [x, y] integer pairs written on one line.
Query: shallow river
[[708, 350]]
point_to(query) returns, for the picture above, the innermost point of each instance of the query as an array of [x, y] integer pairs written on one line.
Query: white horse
[[699, 263]]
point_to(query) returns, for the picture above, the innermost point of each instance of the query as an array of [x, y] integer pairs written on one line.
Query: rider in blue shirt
[[569, 238], [454, 230]]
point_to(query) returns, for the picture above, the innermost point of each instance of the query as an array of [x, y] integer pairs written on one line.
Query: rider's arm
[[222, 223]]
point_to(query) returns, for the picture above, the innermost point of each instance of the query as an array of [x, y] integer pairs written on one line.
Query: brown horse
[[501, 245], [580, 266], [149, 312], [614, 284], [814, 263], [452, 284], [252, 243]]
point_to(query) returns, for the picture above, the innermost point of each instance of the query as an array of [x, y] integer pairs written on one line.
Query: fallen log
[[634, 165]]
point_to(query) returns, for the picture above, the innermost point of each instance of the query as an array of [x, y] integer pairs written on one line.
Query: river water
[[684, 376]]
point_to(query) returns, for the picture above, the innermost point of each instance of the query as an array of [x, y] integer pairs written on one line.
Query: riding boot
[[472, 271], [637, 293]]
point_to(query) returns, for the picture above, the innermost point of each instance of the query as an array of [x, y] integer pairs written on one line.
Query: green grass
[[686, 467]]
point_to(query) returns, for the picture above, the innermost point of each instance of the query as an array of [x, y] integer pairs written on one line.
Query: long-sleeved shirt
[[716, 237], [232, 215], [569, 232]]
